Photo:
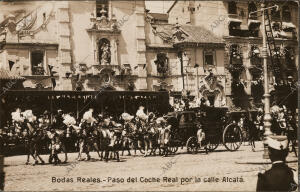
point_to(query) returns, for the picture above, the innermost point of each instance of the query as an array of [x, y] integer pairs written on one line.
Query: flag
[[11, 64], [52, 77]]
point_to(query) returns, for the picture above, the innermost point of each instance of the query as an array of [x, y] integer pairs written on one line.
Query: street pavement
[[220, 170]]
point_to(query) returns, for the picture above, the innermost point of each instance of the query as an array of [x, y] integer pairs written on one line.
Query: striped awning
[[7, 75]]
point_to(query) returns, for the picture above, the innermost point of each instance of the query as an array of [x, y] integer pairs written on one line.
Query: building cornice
[[16, 45], [194, 44], [257, 40]]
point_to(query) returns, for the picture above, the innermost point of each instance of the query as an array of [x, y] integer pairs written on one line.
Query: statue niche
[[104, 52], [161, 63]]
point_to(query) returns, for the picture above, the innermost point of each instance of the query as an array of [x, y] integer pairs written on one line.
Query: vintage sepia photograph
[[142, 95]]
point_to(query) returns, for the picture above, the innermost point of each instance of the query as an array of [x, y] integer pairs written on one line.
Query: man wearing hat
[[280, 177]]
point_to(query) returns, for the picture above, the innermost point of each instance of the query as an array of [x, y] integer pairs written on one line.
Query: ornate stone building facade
[[209, 49], [242, 35], [82, 45]]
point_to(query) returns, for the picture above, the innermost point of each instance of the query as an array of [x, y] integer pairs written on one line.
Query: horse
[[164, 138], [35, 138], [128, 137], [150, 136], [110, 142]]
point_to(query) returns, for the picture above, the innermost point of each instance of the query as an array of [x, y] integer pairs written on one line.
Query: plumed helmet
[[29, 115], [69, 120], [106, 121], [275, 109], [16, 116], [88, 116], [140, 114], [160, 120], [127, 117]]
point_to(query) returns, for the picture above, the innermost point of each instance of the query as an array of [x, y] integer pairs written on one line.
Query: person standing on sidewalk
[[280, 177]]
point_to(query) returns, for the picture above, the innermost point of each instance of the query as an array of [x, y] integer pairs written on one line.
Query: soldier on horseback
[[35, 136], [127, 132], [164, 135], [85, 134], [141, 123]]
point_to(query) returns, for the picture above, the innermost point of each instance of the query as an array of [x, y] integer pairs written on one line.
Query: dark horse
[[88, 140], [35, 138], [64, 140], [110, 142]]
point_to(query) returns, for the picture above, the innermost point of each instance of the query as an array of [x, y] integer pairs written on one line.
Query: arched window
[[286, 14], [232, 9], [161, 63], [37, 63], [104, 51], [102, 8], [235, 61], [252, 8]]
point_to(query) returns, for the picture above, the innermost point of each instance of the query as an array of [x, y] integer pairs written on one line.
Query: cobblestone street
[[217, 171]]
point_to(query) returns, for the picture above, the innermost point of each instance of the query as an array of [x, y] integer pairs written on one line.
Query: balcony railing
[[37, 70]]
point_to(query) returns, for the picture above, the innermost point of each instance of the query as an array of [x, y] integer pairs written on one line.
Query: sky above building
[[158, 6]]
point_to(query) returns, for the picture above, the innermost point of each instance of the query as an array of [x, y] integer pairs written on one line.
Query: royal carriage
[[216, 124]]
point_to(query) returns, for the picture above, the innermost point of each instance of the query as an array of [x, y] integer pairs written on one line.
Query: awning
[[253, 23], [233, 20], [7, 75], [288, 25]]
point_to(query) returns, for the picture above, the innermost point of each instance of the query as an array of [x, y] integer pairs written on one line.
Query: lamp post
[[267, 115]]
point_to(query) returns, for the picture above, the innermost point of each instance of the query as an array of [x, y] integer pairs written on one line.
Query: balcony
[[38, 71]]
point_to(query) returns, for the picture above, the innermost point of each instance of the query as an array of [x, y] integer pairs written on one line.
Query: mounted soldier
[[35, 136], [142, 126], [164, 135], [151, 135], [58, 120], [86, 138], [127, 132], [63, 139]]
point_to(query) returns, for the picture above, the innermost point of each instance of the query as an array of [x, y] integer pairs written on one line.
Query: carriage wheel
[[192, 145], [173, 149], [212, 145], [232, 137]]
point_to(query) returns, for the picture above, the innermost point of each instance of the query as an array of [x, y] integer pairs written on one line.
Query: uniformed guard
[[280, 177]]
